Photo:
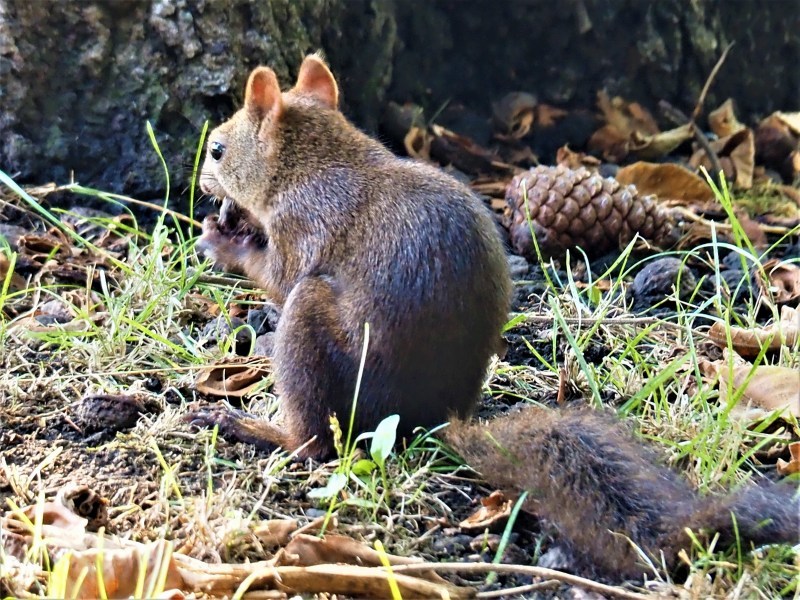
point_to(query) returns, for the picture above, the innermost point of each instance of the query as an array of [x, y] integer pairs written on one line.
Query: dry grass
[[136, 326]]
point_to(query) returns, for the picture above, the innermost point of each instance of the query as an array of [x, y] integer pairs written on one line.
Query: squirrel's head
[[243, 154]]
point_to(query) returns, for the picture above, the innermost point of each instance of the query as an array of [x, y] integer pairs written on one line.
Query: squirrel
[[340, 232]]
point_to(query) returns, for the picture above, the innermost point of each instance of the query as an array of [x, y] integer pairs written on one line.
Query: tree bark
[[79, 80]]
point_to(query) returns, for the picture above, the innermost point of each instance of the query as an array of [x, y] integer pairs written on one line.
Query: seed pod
[[571, 208]]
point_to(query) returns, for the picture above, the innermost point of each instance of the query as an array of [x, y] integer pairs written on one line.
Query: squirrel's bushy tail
[[605, 491]]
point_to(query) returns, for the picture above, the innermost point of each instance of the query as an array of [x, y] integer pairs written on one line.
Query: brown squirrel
[[340, 233]]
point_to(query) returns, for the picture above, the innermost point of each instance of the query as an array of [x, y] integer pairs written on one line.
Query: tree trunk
[[79, 80]]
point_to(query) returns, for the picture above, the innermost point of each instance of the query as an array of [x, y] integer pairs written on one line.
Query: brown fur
[[605, 491], [341, 233], [356, 235]]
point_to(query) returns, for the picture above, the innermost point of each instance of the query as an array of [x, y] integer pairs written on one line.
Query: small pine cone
[[577, 208]]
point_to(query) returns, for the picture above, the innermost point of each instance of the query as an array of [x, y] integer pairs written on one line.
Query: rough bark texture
[[79, 80]]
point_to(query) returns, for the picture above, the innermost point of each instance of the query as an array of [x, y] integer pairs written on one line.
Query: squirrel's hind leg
[[315, 369]]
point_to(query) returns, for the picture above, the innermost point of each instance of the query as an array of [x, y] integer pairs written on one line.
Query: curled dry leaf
[[275, 532], [17, 282], [574, 160], [631, 129], [494, 511], [660, 144], [736, 154], [514, 114], [626, 117], [760, 390], [236, 377], [793, 466], [450, 148], [55, 514], [85, 502], [120, 571], [666, 181], [417, 143], [338, 549], [749, 342], [784, 281], [723, 121]]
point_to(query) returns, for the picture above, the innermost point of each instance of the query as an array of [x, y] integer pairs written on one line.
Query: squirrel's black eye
[[216, 150]]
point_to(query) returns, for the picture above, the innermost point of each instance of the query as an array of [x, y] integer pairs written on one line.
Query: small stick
[[522, 589], [701, 100], [543, 572], [679, 116]]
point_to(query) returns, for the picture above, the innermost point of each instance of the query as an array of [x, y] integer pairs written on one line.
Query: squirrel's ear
[[315, 79], [262, 95]]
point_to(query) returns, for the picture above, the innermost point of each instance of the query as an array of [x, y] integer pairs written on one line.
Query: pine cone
[[577, 208]]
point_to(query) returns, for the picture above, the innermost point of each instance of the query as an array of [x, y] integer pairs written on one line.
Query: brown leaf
[[737, 155], [574, 160], [793, 466], [417, 143], [660, 144], [514, 114], [275, 532], [768, 387], [626, 117], [666, 181], [494, 511], [17, 282], [610, 142], [313, 550], [120, 571], [547, 115], [85, 502], [749, 342], [784, 281], [723, 121], [790, 120], [236, 377], [450, 148]]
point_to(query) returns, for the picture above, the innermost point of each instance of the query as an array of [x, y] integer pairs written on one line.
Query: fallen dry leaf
[[736, 155], [417, 143], [749, 342], [450, 148], [547, 115], [759, 390], [338, 549], [666, 181], [574, 160], [17, 282], [626, 117], [494, 511], [659, 144], [612, 145], [631, 129], [83, 501], [275, 532], [723, 121], [793, 466], [513, 115], [235, 377], [121, 558], [120, 570], [784, 281]]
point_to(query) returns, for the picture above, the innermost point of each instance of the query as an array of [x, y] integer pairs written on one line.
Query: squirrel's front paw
[[230, 249]]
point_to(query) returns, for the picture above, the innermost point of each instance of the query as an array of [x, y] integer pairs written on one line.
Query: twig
[[522, 589], [701, 100], [688, 214], [679, 116], [543, 572]]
